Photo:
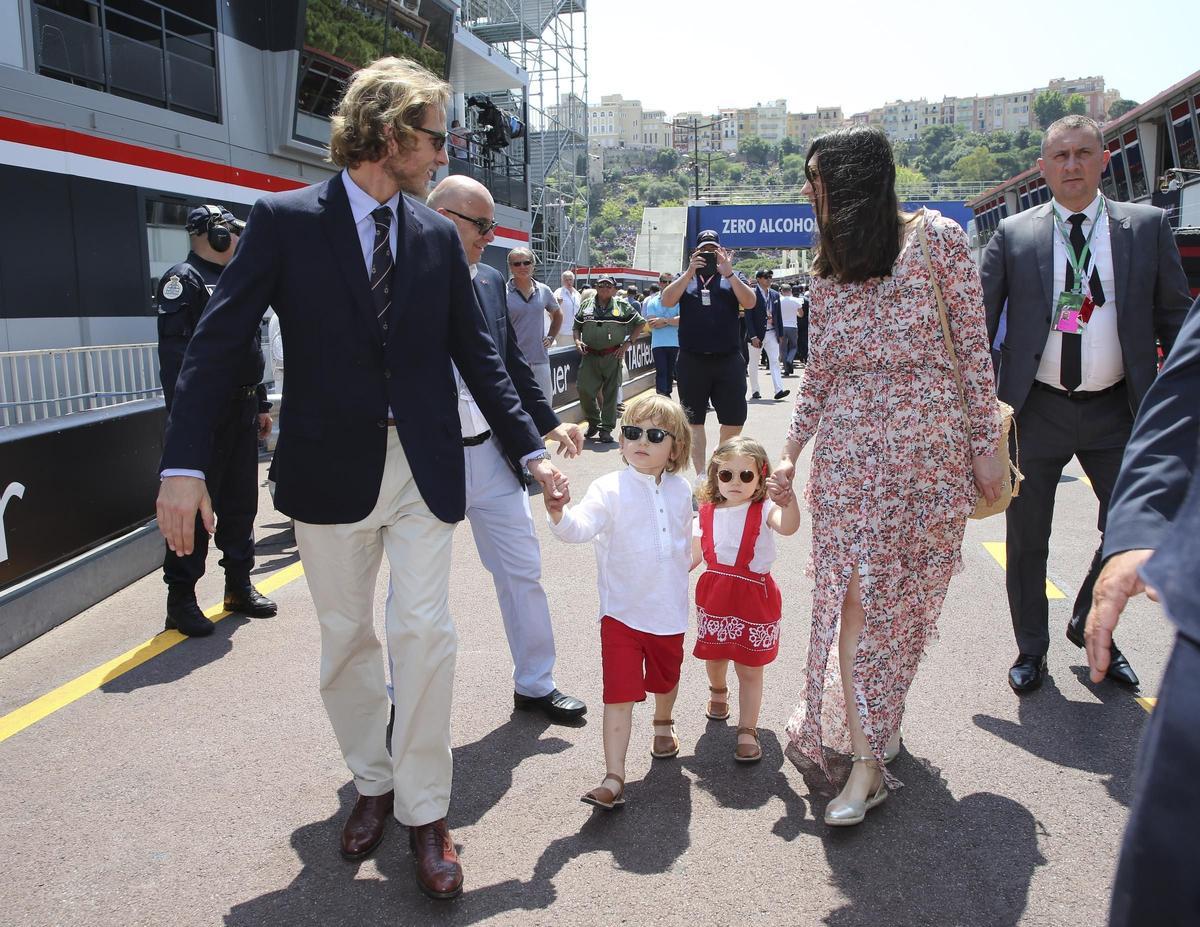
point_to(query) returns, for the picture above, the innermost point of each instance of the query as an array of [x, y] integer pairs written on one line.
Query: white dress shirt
[[1103, 364], [729, 521], [642, 531], [470, 418], [361, 206]]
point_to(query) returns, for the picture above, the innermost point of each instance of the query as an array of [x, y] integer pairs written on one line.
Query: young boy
[[640, 519]]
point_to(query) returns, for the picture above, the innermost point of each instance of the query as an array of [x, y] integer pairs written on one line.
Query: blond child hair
[[735, 447], [668, 415]]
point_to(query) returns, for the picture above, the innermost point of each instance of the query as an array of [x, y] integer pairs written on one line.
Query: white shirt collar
[[474, 270], [1092, 209], [644, 477], [362, 204]]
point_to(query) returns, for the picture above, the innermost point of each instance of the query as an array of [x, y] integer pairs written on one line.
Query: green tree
[[1049, 106], [1077, 105], [1120, 107], [755, 150], [792, 169], [908, 177], [666, 160], [788, 146], [979, 165]]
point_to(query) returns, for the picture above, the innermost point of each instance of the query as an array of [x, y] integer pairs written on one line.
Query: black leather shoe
[[564, 709], [1026, 674], [605, 437], [1119, 669], [782, 393], [592, 431], [246, 600], [187, 618], [755, 396]]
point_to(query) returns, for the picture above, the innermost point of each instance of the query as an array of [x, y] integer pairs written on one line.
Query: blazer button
[[385, 325], [387, 374], [382, 423], [1038, 356]]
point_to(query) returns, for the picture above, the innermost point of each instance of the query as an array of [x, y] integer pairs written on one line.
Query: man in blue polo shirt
[[664, 336], [710, 367]]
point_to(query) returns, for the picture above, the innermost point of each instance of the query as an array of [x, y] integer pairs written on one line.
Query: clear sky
[[704, 54]]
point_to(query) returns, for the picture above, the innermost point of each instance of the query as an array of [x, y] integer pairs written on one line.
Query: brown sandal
[[671, 751], [756, 747], [713, 712], [604, 797]]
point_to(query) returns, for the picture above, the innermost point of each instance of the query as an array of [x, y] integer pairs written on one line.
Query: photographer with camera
[[711, 298]]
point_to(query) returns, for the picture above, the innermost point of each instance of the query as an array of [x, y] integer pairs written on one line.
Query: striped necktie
[[381, 265]]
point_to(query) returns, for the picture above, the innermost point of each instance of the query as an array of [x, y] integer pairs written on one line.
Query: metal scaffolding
[[548, 39]]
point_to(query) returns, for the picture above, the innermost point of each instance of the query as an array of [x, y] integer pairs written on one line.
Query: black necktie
[[1071, 371], [381, 265]]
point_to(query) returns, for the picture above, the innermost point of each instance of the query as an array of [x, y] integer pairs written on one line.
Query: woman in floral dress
[[893, 474]]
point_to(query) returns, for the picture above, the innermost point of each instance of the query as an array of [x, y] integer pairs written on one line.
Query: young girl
[[641, 521], [737, 602]]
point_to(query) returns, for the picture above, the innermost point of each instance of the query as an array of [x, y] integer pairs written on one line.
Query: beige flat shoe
[[843, 813]]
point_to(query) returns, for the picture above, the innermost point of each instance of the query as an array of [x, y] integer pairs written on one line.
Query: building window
[[1183, 129], [1133, 161], [163, 54]]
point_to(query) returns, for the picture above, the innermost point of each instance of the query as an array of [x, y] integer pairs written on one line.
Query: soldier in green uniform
[[604, 324]]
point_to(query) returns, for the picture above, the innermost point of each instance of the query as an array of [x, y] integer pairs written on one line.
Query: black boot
[[243, 598], [184, 615]]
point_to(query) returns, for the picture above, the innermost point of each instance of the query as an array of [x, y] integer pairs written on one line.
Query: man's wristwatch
[[543, 454]]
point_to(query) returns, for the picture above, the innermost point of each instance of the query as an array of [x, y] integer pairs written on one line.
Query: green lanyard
[[1078, 262]]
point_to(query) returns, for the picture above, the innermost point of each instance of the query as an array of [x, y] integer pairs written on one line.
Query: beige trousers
[[341, 563]]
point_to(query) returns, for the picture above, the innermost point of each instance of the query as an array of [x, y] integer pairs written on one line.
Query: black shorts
[[716, 378]]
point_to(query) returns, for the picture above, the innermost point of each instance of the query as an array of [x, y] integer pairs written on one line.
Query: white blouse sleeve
[[582, 522]]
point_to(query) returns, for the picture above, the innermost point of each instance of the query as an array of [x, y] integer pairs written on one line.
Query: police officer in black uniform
[[232, 474]]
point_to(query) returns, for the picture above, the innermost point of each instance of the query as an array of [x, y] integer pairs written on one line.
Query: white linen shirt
[[642, 531], [470, 419], [1103, 365], [729, 521]]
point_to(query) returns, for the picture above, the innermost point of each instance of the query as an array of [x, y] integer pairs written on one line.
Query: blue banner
[[790, 225]]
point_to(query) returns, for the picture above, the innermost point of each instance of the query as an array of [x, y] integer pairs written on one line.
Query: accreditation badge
[[1068, 314], [705, 298]]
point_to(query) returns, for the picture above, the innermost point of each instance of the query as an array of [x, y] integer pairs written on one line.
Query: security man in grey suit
[[1153, 545], [497, 503], [1092, 287]]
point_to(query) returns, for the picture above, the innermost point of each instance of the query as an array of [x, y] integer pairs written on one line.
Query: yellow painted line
[[996, 549], [16, 721], [1147, 703]]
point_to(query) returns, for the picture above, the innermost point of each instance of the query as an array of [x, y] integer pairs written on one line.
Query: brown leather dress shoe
[[365, 826], [438, 871]]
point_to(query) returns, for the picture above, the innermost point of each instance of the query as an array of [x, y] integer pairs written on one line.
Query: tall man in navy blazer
[[1153, 545], [764, 324], [374, 298], [1075, 391]]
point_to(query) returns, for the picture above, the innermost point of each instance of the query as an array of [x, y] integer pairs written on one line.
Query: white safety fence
[[37, 385]]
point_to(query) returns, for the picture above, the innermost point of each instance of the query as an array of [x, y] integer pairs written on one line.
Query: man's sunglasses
[[653, 435], [519, 263], [439, 138], [746, 476], [484, 225]]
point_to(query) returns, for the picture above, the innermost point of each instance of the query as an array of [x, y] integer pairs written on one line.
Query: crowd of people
[[899, 395]]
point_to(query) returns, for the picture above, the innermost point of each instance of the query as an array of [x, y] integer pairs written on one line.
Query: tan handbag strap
[[946, 336]]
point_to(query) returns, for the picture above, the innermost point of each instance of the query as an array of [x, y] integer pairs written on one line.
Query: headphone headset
[[213, 226]]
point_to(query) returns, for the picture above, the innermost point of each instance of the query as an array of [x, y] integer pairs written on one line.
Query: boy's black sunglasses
[[746, 476], [653, 435]]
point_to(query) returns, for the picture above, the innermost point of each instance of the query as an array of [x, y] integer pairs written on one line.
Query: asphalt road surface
[[202, 785]]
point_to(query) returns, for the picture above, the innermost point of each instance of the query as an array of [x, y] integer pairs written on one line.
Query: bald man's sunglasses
[[484, 225]]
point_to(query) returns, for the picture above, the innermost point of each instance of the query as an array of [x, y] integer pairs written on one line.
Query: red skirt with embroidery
[[737, 616]]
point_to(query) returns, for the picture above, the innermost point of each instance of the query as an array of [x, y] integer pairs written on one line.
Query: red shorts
[[635, 662]]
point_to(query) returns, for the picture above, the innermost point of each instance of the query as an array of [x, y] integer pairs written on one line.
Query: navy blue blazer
[[1156, 501], [756, 325], [490, 290], [301, 255]]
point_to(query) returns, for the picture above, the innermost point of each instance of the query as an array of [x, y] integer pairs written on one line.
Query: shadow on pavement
[[483, 770], [745, 786], [1099, 738], [173, 664], [646, 837], [924, 857]]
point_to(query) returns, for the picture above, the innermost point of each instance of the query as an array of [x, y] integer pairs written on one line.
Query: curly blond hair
[[735, 447], [385, 99], [668, 415]]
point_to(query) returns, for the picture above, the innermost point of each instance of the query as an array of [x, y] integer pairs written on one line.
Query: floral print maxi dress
[[891, 482]]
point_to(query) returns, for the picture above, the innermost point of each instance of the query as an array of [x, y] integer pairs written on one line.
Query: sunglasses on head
[[437, 139], [653, 435], [746, 476], [519, 263], [483, 225]]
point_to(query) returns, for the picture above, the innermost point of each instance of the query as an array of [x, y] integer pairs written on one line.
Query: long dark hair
[[859, 235]]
